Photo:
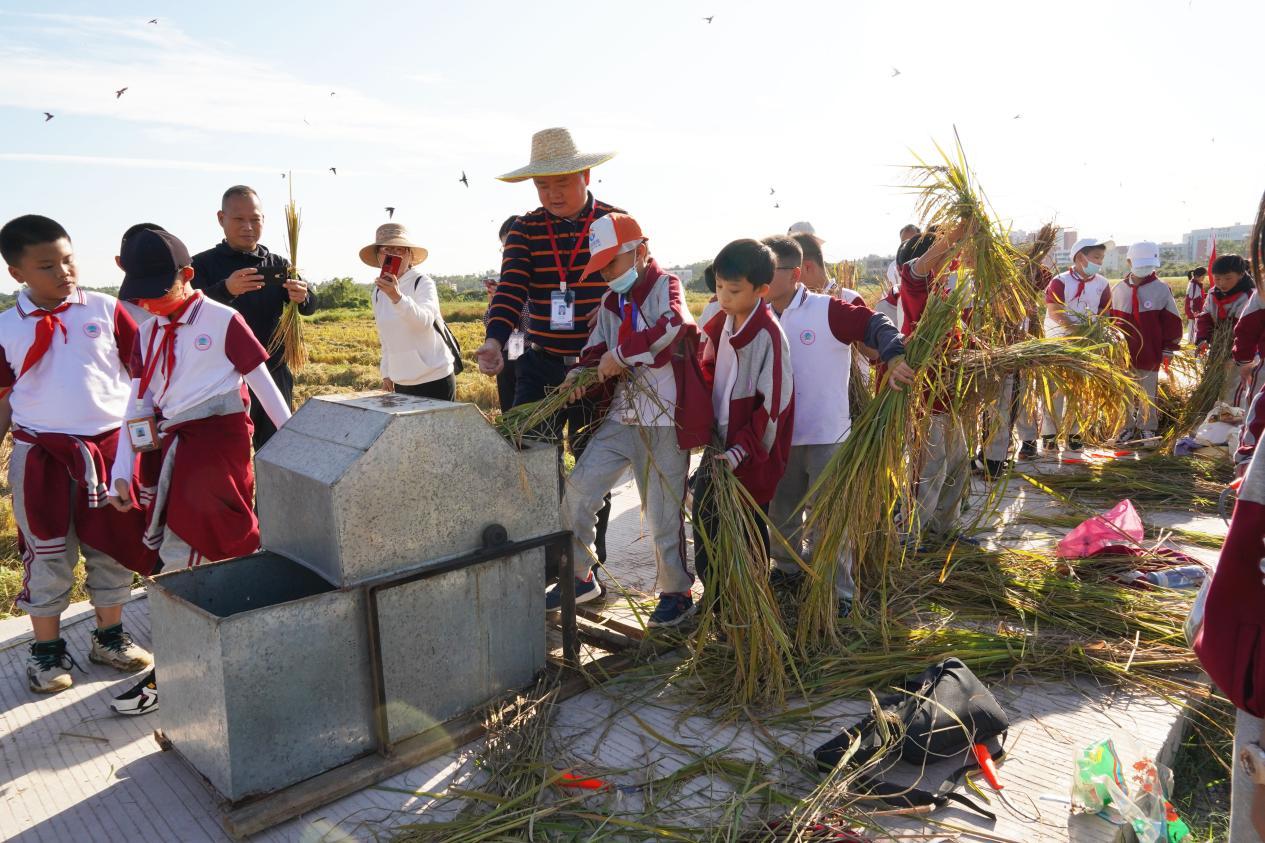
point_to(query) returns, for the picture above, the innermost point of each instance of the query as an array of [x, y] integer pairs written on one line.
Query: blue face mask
[[625, 282], [1092, 269]]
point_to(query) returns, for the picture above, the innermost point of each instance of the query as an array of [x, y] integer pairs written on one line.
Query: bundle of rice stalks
[[949, 196], [860, 388], [754, 664], [853, 504], [1084, 369], [288, 337], [1214, 378], [535, 421], [1192, 483], [1033, 256]]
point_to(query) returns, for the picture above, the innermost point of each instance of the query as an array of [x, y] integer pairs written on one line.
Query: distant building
[[1062, 251], [1198, 243], [1115, 261]]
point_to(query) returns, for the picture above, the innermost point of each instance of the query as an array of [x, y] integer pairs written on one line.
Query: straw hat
[[553, 153], [391, 234]]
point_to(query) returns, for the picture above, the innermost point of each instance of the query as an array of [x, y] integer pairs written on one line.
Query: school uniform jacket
[[1194, 301], [654, 335], [762, 403], [1220, 306], [820, 330], [1082, 299], [1147, 313]]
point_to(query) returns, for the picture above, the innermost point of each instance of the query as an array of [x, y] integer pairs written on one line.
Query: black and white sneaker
[[141, 699], [586, 591]]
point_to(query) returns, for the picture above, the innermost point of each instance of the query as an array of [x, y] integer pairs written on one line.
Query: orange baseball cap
[[609, 236]]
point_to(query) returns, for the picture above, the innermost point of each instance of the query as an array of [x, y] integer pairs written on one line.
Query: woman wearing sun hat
[[416, 359]]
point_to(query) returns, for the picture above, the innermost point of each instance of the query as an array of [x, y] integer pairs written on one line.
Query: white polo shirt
[[80, 386], [214, 349], [822, 364]]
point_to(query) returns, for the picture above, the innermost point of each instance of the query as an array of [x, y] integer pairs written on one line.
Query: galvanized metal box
[[360, 486], [264, 672]]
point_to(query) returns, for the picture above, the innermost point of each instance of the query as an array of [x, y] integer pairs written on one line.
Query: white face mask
[[1142, 271]]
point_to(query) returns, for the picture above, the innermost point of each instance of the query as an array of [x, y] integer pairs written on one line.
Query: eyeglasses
[[780, 268]]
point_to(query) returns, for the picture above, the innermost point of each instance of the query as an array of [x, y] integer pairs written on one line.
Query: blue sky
[[1128, 127]]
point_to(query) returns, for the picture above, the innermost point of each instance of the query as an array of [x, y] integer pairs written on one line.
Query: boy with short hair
[[1146, 310], [642, 342], [821, 331], [747, 360], [1073, 298], [192, 364], [64, 377]]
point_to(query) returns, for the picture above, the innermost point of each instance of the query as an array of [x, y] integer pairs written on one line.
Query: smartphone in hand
[[391, 265], [274, 276]]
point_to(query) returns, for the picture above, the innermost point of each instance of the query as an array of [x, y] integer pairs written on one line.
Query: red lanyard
[[580, 241]]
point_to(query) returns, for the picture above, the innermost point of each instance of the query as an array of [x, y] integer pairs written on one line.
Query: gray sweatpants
[[1010, 418], [1144, 417], [1247, 729], [661, 470], [49, 566], [804, 465], [943, 477]]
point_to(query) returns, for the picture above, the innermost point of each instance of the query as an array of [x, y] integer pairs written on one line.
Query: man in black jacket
[[230, 274]]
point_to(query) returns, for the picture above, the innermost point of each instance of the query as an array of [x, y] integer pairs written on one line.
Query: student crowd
[[133, 422]]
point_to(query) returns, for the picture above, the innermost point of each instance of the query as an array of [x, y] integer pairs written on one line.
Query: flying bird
[[331, 93], [709, 18], [390, 212], [895, 72], [463, 179], [283, 175], [776, 205], [47, 117], [1016, 117], [305, 123], [772, 191], [153, 20], [334, 170], [120, 92]]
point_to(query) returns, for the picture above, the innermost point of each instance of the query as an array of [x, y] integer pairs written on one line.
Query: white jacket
[[413, 352]]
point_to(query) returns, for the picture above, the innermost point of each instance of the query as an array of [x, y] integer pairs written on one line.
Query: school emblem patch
[[92, 330], [807, 337], [202, 342]]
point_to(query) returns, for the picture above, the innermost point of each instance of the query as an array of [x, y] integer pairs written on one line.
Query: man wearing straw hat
[[545, 253]]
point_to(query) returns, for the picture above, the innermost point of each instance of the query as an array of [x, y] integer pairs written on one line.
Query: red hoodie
[[1147, 312]]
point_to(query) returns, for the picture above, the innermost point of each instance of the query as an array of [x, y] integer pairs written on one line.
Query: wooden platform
[[70, 770]]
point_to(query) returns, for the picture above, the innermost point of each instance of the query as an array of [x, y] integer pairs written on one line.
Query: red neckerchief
[[1137, 311], [580, 240], [45, 330], [1223, 304], [1080, 283], [166, 347], [628, 322]]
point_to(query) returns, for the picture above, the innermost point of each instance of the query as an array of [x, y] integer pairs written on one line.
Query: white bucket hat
[[553, 153], [391, 234]]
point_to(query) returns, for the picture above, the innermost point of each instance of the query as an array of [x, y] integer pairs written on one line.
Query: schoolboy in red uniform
[[63, 386]]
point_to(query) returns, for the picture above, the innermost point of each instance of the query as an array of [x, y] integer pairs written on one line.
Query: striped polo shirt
[[530, 273]]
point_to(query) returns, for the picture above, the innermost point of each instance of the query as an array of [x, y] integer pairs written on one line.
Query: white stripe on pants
[[660, 469], [803, 467], [49, 566], [1247, 729], [1142, 413], [943, 476]]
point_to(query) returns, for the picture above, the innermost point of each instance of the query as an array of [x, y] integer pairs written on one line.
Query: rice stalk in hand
[[853, 504], [756, 652], [288, 336], [1217, 369], [535, 420]]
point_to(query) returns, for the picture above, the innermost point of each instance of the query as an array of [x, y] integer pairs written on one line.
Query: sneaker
[[1028, 449], [586, 591], [48, 667], [994, 468], [845, 607], [1074, 443], [1049, 443], [141, 699], [115, 648], [1127, 435], [780, 580], [672, 609]]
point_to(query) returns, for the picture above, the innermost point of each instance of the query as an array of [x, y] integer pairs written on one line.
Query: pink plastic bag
[[1119, 525]]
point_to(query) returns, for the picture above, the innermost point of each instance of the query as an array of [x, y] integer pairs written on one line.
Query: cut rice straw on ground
[[1191, 483]]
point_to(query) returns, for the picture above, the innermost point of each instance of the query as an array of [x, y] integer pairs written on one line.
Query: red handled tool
[[985, 760]]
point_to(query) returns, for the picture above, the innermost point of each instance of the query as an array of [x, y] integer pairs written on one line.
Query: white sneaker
[[115, 648], [48, 667], [141, 699]]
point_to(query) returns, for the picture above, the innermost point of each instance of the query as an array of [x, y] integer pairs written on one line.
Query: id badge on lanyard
[[562, 300], [142, 432]]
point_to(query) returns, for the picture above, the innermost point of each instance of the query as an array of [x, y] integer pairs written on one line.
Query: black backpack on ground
[[944, 712]]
